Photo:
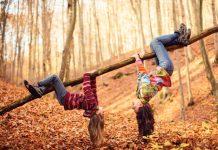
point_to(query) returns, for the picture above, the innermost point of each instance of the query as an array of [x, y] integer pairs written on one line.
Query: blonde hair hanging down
[[96, 129]]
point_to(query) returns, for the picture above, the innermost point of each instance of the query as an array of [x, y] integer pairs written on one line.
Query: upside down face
[[136, 104]]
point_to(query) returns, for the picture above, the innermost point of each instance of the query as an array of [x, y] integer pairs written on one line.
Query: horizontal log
[[106, 69]]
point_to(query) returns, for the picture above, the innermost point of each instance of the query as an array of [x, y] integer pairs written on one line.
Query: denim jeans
[[54, 80], [158, 46]]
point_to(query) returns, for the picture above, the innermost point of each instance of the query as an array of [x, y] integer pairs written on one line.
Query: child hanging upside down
[[87, 101], [148, 84]]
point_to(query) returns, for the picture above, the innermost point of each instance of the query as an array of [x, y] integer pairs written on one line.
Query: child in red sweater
[[87, 101]]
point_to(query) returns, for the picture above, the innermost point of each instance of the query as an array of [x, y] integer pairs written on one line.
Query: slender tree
[[90, 37], [46, 36], [209, 73], [71, 52], [109, 30], [149, 18], [182, 101], [216, 34], [136, 7], [3, 21], [159, 22], [98, 37], [190, 98], [68, 43], [30, 27], [189, 20], [35, 68], [81, 39]]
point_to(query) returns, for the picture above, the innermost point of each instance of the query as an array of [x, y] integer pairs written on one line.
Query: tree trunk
[[149, 18], [208, 69], [182, 103], [98, 37], [190, 99], [195, 14], [3, 22], [81, 39], [159, 22], [188, 19], [30, 18], [141, 22], [46, 34], [36, 34], [215, 35], [136, 6], [109, 31], [90, 38], [118, 32], [69, 40], [106, 69], [68, 60]]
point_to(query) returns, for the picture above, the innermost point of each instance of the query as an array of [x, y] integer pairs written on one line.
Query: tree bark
[[190, 53], [30, 17], [215, 35], [69, 39], [109, 31], [46, 35], [209, 73], [149, 18], [190, 99], [208, 69], [81, 39], [4, 9], [98, 37], [106, 69], [159, 22], [70, 13], [182, 103], [137, 10]]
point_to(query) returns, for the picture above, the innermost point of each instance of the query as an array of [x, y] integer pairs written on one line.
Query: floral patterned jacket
[[149, 84]]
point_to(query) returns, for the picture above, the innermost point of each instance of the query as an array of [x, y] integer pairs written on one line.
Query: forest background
[[34, 34]]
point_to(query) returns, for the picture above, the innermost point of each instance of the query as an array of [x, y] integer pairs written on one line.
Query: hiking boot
[[34, 90], [182, 29], [184, 39], [188, 34]]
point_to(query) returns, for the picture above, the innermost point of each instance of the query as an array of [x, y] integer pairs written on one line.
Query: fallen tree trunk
[[106, 69]]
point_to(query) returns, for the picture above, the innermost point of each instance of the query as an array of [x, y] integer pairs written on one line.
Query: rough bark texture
[[69, 40], [46, 36], [215, 35], [106, 69]]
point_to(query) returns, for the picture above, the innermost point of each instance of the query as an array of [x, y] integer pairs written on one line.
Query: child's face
[[100, 111], [136, 104]]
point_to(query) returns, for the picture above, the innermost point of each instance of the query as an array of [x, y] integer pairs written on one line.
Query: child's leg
[[157, 45], [168, 39], [55, 81]]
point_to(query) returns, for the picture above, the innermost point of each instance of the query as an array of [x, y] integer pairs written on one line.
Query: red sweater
[[87, 101]]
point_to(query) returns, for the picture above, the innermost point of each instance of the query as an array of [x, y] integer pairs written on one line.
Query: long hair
[[145, 120], [96, 129]]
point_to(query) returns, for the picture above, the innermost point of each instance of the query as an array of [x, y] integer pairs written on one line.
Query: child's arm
[[89, 91], [94, 88]]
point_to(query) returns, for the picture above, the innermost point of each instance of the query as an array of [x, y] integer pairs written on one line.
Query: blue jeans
[[54, 80], [158, 46]]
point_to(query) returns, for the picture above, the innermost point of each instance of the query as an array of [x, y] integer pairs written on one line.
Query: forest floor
[[43, 123]]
